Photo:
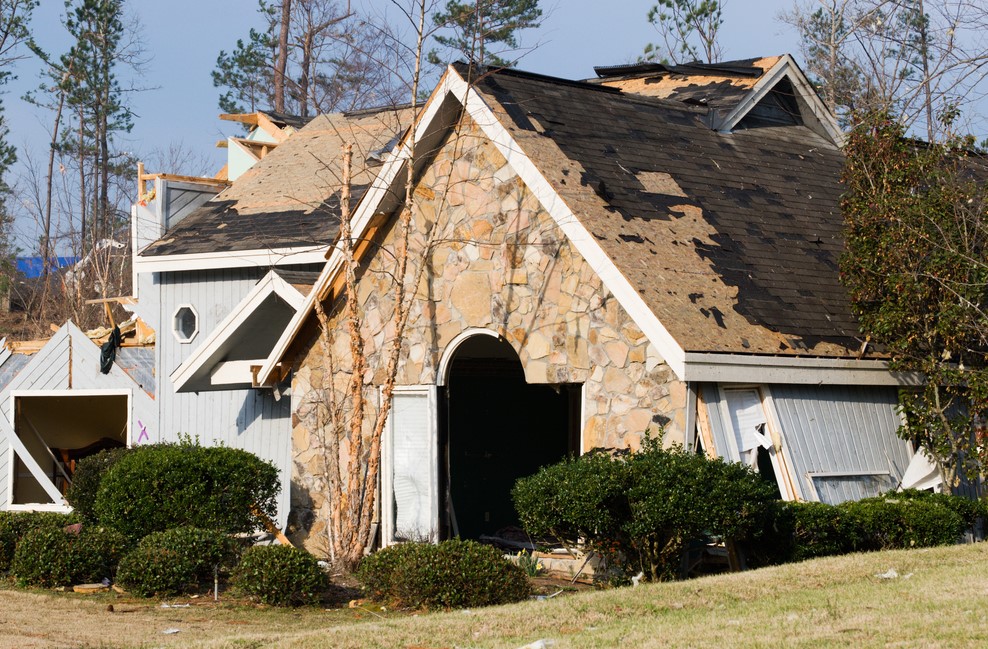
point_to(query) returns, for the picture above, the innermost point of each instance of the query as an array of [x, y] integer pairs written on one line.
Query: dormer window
[[185, 324]]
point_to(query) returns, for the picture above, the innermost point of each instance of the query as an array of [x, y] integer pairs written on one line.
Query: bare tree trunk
[[46, 235], [282, 63], [82, 184]]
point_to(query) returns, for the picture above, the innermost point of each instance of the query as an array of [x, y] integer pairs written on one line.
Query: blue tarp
[[31, 266]]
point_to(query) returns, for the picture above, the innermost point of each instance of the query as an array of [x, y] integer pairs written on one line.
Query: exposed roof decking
[[290, 198]]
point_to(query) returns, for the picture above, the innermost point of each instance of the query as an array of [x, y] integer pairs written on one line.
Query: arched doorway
[[494, 429]]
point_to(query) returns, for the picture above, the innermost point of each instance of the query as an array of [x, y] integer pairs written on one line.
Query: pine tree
[[483, 29], [689, 31], [94, 95]]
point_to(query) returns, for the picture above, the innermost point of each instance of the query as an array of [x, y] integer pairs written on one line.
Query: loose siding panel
[[847, 434]]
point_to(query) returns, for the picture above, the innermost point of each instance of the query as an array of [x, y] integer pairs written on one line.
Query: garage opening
[[60, 430], [497, 428]]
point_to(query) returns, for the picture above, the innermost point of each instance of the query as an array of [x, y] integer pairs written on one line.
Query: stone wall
[[495, 260]]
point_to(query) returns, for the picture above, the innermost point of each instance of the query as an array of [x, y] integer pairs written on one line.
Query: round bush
[[175, 560], [14, 525], [280, 575], [155, 488], [89, 472], [150, 570], [42, 558], [51, 556], [642, 510], [94, 554], [452, 574]]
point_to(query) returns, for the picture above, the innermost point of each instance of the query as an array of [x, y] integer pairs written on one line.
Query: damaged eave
[[207, 367], [232, 259], [741, 368]]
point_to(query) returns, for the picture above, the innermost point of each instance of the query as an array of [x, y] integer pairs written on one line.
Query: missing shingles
[[658, 182]]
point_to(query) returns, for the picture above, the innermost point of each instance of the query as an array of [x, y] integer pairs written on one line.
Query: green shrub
[[887, 523], [14, 525], [969, 510], [150, 570], [280, 575], [155, 488], [822, 530], [94, 554], [51, 556], [42, 558], [89, 472], [646, 507], [452, 574], [172, 561]]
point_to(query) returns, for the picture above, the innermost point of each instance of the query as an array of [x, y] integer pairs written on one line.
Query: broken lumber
[[270, 526]]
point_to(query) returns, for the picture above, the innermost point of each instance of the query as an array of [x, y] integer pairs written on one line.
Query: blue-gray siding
[[249, 419], [849, 430]]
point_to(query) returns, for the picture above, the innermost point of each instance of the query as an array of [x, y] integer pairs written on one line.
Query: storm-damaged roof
[[731, 239], [718, 231], [718, 85], [291, 197]]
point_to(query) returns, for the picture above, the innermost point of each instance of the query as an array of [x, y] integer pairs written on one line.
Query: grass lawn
[[939, 599]]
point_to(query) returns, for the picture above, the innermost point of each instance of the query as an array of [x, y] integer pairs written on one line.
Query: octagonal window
[[185, 324]]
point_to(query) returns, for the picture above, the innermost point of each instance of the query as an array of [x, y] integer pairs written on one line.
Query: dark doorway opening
[[495, 429]]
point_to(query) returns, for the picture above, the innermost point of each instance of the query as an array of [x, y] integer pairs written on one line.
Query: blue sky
[[182, 39]]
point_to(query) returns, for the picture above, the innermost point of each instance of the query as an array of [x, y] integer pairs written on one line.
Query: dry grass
[[835, 602]]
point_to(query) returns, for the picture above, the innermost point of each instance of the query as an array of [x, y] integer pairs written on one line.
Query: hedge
[[155, 488]]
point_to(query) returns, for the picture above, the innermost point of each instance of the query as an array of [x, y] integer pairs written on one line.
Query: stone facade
[[495, 260]]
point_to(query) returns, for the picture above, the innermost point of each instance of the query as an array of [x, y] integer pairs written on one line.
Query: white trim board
[[270, 284], [738, 368], [234, 259]]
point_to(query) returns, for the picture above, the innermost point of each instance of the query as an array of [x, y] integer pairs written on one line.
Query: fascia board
[[578, 235], [366, 209], [234, 259], [272, 283], [737, 368]]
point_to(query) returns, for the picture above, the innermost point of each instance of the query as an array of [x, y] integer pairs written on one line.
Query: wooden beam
[[123, 299], [199, 180], [270, 526], [272, 129], [703, 423], [243, 118]]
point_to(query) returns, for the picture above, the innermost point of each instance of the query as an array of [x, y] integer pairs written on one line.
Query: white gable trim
[[272, 283], [785, 67], [366, 209], [571, 226], [234, 259]]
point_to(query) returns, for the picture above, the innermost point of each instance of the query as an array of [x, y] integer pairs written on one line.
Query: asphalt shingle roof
[[732, 239]]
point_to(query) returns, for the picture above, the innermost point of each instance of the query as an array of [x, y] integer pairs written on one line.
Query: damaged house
[[654, 250]]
